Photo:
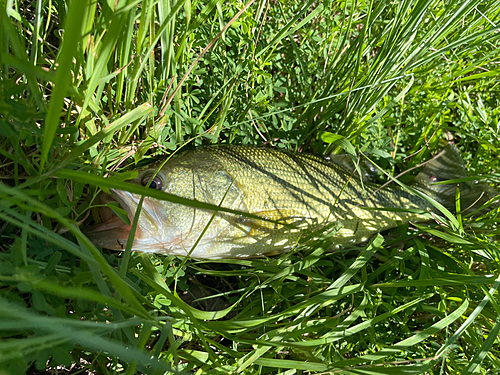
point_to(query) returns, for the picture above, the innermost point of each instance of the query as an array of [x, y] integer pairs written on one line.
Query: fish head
[[156, 225], [170, 227]]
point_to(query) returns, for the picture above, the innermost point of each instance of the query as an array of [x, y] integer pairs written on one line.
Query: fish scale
[[311, 187], [302, 194]]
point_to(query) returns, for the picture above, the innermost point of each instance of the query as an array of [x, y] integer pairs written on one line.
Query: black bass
[[299, 193]]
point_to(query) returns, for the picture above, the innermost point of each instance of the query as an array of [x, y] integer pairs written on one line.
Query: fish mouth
[[113, 233], [126, 201], [129, 202]]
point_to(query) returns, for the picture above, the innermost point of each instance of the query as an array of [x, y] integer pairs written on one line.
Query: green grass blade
[[72, 37]]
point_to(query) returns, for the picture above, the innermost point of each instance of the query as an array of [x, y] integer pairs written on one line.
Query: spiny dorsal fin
[[369, 172]]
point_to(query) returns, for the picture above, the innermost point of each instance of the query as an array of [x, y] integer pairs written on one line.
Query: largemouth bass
[[300, 193]]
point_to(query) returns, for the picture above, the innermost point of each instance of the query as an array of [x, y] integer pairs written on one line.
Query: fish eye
[[156, 182]]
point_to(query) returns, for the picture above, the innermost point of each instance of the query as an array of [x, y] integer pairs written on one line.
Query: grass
[[89, 88]]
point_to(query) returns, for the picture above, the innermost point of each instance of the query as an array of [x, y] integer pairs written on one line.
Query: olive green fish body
[[301, 194], [304, 191]]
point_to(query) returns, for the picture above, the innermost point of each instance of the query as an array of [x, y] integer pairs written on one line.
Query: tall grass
[[91, 88]]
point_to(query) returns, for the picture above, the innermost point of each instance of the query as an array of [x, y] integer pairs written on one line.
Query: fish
[[289, 195]]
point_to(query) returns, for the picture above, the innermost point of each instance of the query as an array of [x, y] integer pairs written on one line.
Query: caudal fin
[[449, 165]]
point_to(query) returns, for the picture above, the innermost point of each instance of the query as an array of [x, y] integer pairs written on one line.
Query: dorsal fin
[[369, 172]]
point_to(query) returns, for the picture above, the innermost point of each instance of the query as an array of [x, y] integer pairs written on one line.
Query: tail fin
[[448, 165]]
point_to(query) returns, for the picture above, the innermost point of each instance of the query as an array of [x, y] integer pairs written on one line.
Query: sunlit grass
[[90, 88]]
